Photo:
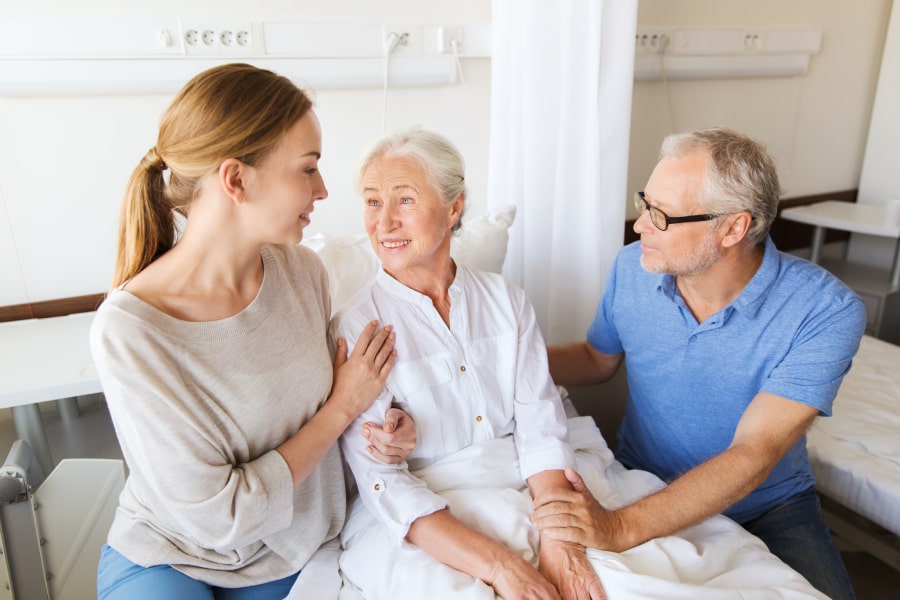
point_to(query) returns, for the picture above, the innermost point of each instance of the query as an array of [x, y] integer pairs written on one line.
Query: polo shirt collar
[[754, 293], [756, 290]]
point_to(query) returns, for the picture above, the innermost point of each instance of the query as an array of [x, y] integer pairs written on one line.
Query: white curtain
[[562, 75]]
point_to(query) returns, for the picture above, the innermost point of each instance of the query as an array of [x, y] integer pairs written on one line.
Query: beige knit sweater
[[199, 408]]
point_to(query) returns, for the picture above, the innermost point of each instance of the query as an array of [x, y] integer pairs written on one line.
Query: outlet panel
[[410, 39], [217, 38], [652, 40], [725, 41], [441, 39]]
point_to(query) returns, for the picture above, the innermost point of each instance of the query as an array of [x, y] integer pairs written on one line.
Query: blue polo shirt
[[792, 332]]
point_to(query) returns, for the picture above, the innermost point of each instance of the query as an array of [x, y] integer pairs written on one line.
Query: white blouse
[[484, 377]]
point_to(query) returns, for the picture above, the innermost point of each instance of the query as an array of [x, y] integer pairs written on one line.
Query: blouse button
[[462, 368], [478, 419], [377, 487]]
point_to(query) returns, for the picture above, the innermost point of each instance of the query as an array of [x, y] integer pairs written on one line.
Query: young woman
[[214, 353]]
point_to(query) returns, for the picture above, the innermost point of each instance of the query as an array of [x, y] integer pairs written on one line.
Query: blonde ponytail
[[146, 225]]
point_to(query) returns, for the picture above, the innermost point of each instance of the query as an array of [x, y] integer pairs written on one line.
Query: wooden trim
[[787, 235], [51, 308]]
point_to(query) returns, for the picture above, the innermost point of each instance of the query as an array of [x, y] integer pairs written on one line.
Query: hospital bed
[[855, 453], [52, 528]]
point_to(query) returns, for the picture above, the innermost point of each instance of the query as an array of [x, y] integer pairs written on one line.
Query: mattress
[[855, 453]]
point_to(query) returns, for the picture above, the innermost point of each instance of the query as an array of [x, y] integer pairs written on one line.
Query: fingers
[[375, 347], [388, 459], [567, 534], [399, 430], [374, 342], [392, 419], [390, 448], [556, 494], [563, 522], [597, 591], [388, 364], [340, 352], [576, 480]]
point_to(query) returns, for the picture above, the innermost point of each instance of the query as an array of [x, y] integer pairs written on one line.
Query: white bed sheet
[[855, 453], [714, 560]]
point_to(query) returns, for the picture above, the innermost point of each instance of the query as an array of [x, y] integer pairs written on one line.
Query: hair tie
[[153, 161]]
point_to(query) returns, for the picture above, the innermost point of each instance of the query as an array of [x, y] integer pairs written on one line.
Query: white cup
[[892, 213]]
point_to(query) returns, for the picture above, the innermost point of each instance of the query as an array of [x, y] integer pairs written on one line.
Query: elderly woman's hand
[[566, 565], [393, 441], [516, 579]]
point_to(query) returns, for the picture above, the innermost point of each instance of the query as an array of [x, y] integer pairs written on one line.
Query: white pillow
[[351, 262], [482, 241]]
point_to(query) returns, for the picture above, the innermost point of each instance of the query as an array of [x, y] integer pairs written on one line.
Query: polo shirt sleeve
[[821, 354]]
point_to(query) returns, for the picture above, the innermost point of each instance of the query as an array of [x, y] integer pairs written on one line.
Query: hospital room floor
[[91, 435]]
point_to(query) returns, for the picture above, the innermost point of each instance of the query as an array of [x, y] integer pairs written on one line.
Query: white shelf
[[846, 216], [878, 288]]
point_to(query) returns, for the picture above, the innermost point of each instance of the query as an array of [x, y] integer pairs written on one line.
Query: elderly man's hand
[[393, 441], [576, 516]]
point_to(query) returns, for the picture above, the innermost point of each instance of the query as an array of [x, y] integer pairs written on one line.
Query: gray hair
[[442, 162], [742, 175]]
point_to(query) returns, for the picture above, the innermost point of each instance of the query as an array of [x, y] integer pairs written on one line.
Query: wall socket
[[217, 39], [410, 38], [651, 40]]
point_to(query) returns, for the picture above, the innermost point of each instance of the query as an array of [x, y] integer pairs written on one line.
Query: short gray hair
[[742, 175], [442, 162]]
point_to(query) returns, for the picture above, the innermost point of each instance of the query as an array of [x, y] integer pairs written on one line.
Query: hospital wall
[[64, 160], [815, 125]]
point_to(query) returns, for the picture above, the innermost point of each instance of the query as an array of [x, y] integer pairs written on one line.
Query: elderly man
[[731, 348]]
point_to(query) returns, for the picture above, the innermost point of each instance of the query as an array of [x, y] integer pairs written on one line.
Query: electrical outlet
[[753, 41], [651, 40], [218, 38], [442, 39], [410, 38]]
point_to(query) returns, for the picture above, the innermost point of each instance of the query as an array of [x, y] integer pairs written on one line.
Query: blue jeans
[[795, 531], [119, 578]]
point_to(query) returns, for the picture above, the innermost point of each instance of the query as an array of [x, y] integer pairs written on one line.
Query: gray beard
[[705, 256]]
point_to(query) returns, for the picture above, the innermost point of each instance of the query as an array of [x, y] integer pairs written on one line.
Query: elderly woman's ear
[[457, 210]]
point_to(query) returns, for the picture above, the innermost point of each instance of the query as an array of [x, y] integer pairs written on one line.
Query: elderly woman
[[473, 375]]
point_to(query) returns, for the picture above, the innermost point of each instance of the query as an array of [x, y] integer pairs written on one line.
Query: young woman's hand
[[360, 377]]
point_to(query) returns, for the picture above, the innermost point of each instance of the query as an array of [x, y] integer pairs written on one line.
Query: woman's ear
[[456, 209], [232, 176]]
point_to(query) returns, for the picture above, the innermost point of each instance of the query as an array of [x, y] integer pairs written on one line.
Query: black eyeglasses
[[660, 219]]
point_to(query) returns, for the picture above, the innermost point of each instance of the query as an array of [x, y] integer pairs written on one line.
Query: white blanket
[[714, 560]]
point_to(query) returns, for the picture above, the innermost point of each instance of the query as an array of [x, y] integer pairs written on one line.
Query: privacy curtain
[[562, 75]]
